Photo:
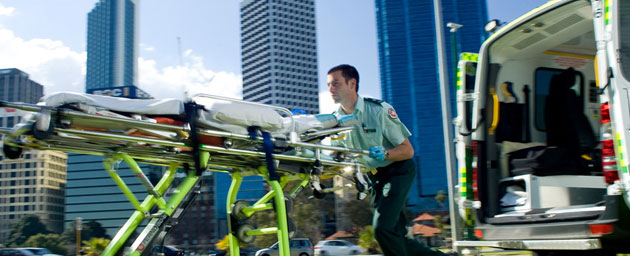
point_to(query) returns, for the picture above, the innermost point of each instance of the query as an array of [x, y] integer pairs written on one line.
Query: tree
[[95, 246], [441, 197], [368, 241], [52, 242], [264, 219], [91, 229], [307, 215], [359, 212], [28, 226]]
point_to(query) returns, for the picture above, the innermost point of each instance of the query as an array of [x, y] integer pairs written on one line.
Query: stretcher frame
[[52, 129]]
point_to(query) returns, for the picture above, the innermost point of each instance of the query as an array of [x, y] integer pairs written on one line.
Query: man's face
[[339, 88]]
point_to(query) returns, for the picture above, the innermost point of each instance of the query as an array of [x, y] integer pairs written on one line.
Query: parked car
[[40, 251], [299, 247], [337, 247], [167, 250], [15, 252]]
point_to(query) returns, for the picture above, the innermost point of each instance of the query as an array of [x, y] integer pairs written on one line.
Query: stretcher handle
[[21, 106], [210, 96]]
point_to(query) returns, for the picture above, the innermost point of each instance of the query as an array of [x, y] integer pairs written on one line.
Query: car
[[167, 250], [337, 247], [299, 247], [40, 251], [15, 252]]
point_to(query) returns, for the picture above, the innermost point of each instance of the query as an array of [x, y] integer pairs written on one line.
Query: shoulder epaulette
[[377, 101]]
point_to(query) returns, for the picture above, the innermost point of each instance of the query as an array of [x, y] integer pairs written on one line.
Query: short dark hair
[[348, 72]]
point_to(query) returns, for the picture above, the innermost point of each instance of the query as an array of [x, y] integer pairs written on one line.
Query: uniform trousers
[[389, 192]]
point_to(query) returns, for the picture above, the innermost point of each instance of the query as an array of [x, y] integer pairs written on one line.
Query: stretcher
[[202, 133]]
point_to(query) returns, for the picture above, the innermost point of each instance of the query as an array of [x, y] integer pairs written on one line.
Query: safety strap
[[268, 146], [191, 110]]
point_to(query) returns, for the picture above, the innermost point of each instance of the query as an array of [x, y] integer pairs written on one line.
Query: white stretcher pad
[[228, 116], [149, 106]]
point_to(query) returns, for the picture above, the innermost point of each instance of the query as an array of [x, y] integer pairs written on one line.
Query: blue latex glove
[[377, 153], [371, 162]]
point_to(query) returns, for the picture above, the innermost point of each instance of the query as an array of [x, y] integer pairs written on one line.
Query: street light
[[454, 27]]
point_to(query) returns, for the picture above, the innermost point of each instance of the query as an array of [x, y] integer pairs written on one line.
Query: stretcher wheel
[[237, 210], [12, 152], [228, 143], [241, 233], [360, 185], [361, 196], [42, 134], [317, 194], [288, 203]]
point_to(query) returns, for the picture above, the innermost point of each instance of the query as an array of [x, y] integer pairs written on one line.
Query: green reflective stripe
[[607, 11], [469, 56], [459, 78], [462, 188], [622, 163]]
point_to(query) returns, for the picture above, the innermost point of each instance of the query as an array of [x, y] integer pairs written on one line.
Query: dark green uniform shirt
[[378, 125]]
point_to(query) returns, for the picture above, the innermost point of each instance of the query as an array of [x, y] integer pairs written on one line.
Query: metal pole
[[446, 120], [79, 227]]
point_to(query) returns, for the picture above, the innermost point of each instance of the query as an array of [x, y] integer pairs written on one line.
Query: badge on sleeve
[[392, 113]]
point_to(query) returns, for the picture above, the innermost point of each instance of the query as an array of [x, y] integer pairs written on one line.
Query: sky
[[47, 39]]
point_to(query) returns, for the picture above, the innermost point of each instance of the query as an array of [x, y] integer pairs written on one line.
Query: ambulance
[[542, 133]]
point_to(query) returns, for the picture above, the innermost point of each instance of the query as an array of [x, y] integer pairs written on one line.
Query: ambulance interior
[[544, 154]]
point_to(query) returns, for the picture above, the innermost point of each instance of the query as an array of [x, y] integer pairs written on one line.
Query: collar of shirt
[[358, 107]]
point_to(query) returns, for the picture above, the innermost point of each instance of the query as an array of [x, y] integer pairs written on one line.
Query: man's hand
[[377, 153]]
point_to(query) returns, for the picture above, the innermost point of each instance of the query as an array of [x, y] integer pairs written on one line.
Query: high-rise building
[[279, 53], [16, 86], [112, 49], [92, 195], [35, 182], [408, 60], [197, 230], [279, 66], [112, 42], [32, 184]]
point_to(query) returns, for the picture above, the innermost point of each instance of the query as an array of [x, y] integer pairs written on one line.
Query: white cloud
[[59, 68], [47, 61], [6, 11], [192, 78]]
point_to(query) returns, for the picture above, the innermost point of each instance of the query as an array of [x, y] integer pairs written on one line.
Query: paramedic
[[380, 130]]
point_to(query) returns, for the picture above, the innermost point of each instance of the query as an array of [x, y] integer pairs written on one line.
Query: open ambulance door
[[613, 66], [466, 73]]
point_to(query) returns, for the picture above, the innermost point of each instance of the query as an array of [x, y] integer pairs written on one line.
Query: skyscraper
[[279, 54], [279, 66], [112, 44], [35, 182], [92, 194], [409, 77]]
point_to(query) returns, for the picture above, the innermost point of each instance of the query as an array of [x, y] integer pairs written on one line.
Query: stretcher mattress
[[234, 117]]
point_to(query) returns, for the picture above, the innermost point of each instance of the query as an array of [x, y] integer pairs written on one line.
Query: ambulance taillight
[[609, 160]]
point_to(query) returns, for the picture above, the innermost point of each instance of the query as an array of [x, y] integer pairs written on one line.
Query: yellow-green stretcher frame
[[54, 135]]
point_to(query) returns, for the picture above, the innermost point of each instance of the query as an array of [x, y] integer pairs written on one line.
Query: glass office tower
[[410, 80], [279, 53], [112, 44]]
